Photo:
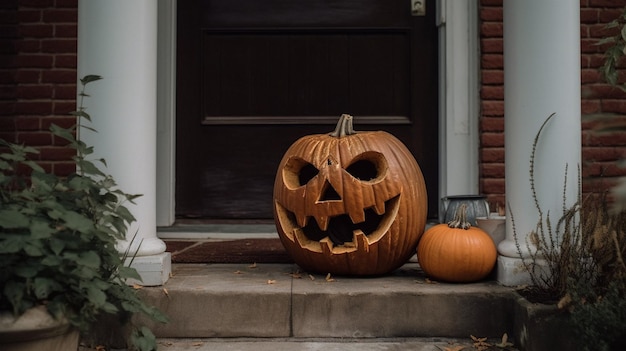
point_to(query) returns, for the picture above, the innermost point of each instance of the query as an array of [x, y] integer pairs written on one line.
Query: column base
[[154, 270], [511, 272]]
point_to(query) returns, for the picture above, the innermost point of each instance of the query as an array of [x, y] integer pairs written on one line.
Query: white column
[[117, 39], [542, 76]]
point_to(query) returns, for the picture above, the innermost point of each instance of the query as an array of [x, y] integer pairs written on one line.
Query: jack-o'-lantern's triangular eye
[[369, 166], [298, 172]]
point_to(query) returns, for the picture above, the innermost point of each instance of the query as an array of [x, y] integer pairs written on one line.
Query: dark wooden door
[[253, 76]]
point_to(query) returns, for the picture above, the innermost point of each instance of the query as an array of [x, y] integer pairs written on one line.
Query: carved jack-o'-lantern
[[349, 203]]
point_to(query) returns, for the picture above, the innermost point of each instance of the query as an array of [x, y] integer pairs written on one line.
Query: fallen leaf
[[428, 281], [505, 342], [311, 277], [329, 278], [137, 286], [453, 348], [252, 265], [237, 272], [480, 344], [166, 292], [197, 344], [271, 281], [296, 275]]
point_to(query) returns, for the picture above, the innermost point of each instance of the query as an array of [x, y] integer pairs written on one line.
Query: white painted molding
[[458, 97], [166, 113]]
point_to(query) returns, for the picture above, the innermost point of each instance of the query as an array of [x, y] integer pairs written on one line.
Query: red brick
[[33, 108], [492, 76], [29, 16], [491, 2], [490, 92], [59, 76], [492, 108], [492, 45], [608, 15], [37, 30], [57, 153], [7, 108], [63, 107], [591, 46], [615, 106], [60, 16], [27, 76], [66, 3], [28, 46], [36, 3], [65, 92], [589, 106], [492, 140], [59, 46], [492, 170], [491, 61], [606, 139], [491, 30], [66, 31], [491, 14], [35, 138], [7, 92], [603, 154], [492, 155], [589, 76], [492, 186], [601, 31], [593, 60], [589, 15], [492, 124], [28, 123], [605, 91], [606, 3], [34, 91], [35, 61], [65, 61]]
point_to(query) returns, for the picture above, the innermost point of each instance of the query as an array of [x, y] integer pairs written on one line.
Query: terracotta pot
[[36, 330]]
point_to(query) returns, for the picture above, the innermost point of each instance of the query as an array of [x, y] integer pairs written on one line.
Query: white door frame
[[459, 106]]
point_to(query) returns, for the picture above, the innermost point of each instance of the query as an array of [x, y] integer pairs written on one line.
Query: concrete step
[[279, 301], [291, 344]]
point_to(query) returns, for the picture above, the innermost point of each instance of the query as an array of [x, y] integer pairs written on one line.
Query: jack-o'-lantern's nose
[[329, 193]]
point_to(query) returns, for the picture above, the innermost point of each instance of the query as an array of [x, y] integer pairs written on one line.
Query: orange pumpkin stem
[[460, 218], [344, 127]]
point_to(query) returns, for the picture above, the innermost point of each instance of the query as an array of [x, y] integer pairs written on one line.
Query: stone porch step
[[279, 301], [291, 344]]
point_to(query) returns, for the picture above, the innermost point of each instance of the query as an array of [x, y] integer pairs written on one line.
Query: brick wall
[[600, 151], [38, 75]]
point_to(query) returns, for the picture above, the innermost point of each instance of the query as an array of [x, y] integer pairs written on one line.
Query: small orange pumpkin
[[349, 203], [456, 252]]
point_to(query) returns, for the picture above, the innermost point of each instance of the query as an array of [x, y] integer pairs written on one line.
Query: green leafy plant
[[58, 238]]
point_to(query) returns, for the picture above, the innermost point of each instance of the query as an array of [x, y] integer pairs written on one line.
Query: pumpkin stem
[[344, 127], [460, 218]]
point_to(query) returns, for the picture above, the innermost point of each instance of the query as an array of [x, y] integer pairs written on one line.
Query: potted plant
[[58, 240], [577, 295]]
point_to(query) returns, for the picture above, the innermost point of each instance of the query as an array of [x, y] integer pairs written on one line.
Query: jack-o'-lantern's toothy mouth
[[341, 231]]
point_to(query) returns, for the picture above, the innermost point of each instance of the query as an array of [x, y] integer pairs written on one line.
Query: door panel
[[254, 76]]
